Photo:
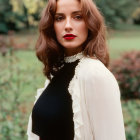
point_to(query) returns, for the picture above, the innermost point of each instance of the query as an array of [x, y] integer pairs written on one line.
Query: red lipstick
[[69, 36]]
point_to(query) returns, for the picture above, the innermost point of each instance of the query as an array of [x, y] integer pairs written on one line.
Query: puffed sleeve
[[102, 96], [31, 135]]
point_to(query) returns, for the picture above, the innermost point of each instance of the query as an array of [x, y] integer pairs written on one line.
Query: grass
[[126, 39], [120, 44], [33, 70]]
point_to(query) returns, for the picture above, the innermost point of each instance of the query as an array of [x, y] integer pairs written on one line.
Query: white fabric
[[96, 103], [69, 59]]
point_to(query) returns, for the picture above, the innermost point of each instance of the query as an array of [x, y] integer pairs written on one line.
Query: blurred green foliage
[[19, 14], [136, 16], [17, 90], [117, 11], [11, 117], [7, 16], [131, 115]]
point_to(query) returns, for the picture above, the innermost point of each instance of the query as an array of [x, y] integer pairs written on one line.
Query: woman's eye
[[78, 17], [58, 18]]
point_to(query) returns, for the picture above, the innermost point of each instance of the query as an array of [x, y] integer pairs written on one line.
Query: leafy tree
[[116, 11], [19, 14], [136, 16], [6, 16], [29, 10]]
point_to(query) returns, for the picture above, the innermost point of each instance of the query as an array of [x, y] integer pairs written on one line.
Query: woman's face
[[69, 25]]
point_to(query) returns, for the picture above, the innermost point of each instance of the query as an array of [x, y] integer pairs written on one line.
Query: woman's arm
[[103, 105]]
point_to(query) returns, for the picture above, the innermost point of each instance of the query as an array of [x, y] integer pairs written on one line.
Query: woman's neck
[[71, 52]]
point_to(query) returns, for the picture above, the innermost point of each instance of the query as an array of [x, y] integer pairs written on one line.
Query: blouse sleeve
[[31, 135], [103, 105]]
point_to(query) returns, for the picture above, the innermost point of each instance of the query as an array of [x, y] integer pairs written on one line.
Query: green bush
[[136, 16], [18, 70], [127, 71], [7, 17], [13, 114], [131, 115]]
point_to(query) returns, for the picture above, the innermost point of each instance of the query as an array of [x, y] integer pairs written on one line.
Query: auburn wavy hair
[[51, 53]]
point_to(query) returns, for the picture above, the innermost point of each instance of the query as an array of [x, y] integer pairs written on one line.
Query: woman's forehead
[[67, 5]]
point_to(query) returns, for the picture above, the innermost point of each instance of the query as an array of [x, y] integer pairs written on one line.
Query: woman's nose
[[68, 26]]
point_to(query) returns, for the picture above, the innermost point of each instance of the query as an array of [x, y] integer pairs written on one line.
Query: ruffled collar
[[73, 58]]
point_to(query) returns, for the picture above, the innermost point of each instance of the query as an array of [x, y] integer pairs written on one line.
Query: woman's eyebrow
[[74, 12]]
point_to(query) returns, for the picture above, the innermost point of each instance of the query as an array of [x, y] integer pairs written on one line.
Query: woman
[[81, 98]]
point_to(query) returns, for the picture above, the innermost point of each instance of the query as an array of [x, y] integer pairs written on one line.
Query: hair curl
[[51, 53]]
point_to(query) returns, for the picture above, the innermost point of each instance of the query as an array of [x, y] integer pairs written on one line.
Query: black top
[[52, 114]]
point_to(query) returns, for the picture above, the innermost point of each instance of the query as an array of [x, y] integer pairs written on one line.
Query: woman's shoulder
[[93, 67], [89, 64], [94, 71]]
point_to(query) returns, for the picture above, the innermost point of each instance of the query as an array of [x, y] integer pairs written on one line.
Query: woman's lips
[[69, 36]]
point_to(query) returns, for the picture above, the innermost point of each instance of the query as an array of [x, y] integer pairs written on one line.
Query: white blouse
[[96, 102]]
